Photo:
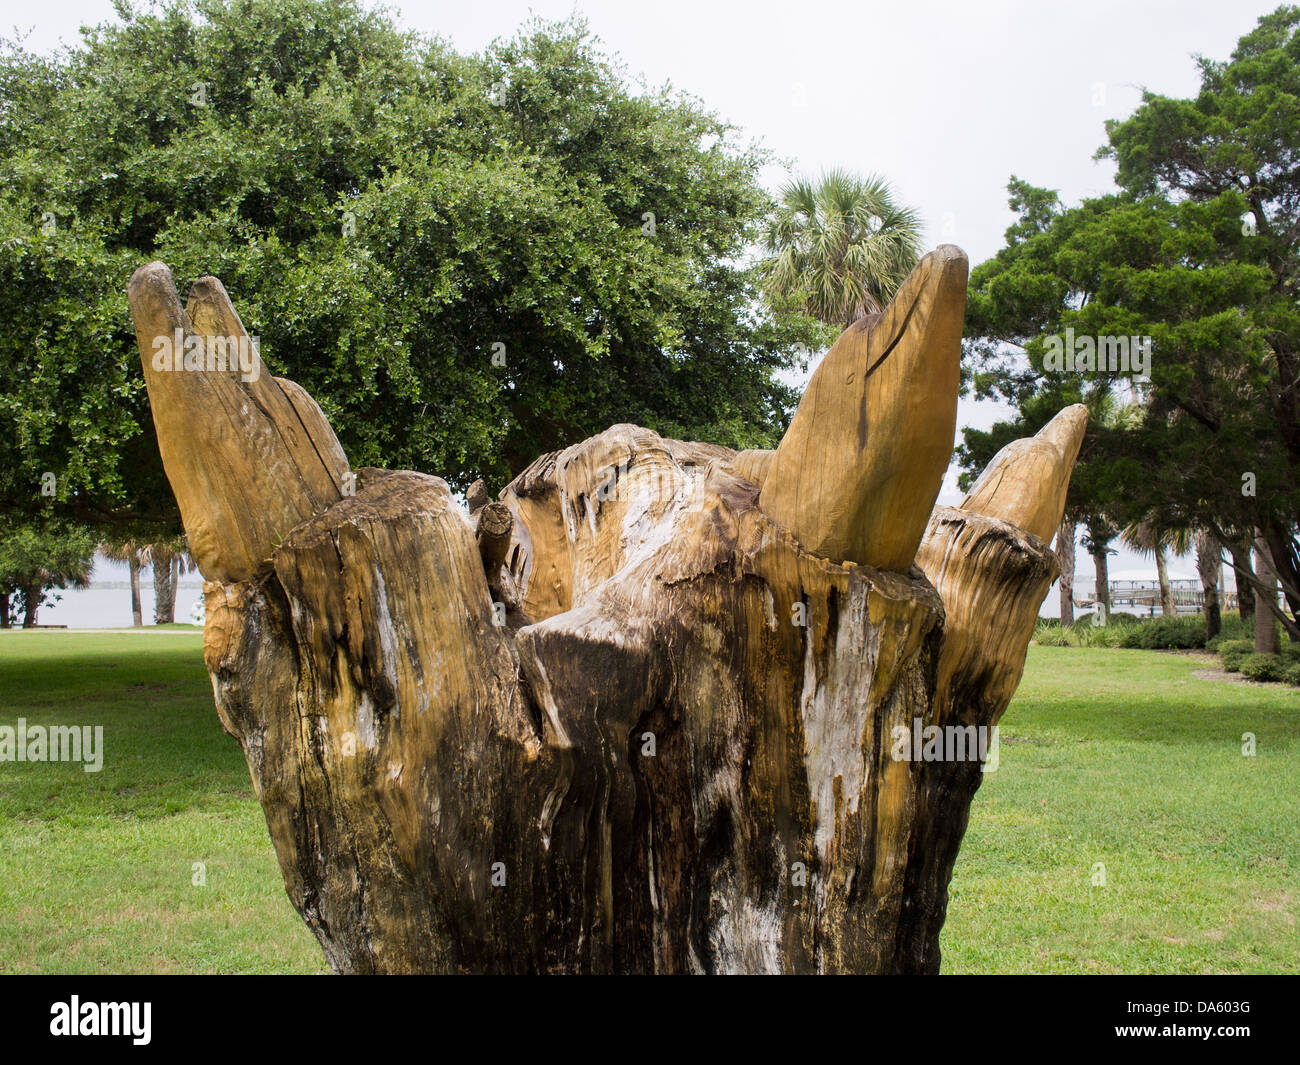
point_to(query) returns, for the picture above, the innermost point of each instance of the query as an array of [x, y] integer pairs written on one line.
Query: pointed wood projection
[[652, 710]]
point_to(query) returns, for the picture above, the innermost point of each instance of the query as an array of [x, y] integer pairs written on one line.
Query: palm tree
[[132, 552], [1265, 623], [1238, 546], [1209, 566], [169, 560], [1105, 411], [1098, 533], [1065, 537], [838, 248], [1151, 538]]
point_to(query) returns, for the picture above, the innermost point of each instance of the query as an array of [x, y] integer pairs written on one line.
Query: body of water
[[110, 608], [107, 604]]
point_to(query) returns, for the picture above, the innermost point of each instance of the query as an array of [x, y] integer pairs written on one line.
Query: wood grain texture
[[247, 460], [679, 752], [1027, 480], [857, 472]]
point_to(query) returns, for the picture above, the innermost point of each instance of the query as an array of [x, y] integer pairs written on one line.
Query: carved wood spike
[[682, 753]]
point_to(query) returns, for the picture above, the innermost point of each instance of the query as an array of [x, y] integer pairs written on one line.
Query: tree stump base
[[623, 719]]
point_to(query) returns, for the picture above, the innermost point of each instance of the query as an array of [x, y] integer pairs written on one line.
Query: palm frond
[[838, 247]]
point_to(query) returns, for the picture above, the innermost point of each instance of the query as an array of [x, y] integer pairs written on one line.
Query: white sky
[[946, 99]]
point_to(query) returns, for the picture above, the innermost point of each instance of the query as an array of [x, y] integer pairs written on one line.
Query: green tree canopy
[[1199, 253], [37, 557], [387, 216], [1229, 393]]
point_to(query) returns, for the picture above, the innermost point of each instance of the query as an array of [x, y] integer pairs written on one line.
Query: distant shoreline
[[125, 586]]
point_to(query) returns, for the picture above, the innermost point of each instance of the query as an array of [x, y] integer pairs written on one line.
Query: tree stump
[[651, 710]]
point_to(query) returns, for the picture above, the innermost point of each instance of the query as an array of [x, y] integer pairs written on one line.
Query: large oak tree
[[390, 215]]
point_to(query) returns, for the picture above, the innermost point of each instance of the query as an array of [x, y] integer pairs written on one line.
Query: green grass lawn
[[97, 869], [1117, 757], [1126, 758]]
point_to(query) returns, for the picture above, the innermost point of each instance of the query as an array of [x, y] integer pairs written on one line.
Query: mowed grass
[[97, 870], [1123, 758], [1127, 759]]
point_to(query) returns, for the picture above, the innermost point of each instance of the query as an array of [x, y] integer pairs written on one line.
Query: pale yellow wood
[[1027, 481], [858, 471], [753, 465], [247, 460], [689, 704]]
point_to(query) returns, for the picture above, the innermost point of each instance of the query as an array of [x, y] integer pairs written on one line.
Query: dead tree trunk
[[664, 707]]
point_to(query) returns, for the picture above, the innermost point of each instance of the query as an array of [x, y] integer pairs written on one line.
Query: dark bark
[[1101, 572], [1209, 567], [31, 604], [1065, 551], [1265, 623], [137, 612], [164, 587], [1242, 572], [1266, 599], [1285, 563]]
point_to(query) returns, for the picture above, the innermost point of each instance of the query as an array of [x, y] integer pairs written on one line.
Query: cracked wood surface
[[676, 754]]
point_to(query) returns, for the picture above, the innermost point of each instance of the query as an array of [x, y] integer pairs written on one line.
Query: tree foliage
[[839, 247], [37, 557], [1198, 251], [387, 215]]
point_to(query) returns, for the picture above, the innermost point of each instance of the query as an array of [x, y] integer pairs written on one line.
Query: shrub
[[1050, 633], [1263, 667], [1233, 651], [1231, 627], [1084, 633], [1292, 675], [1166, 634], [1155, 634]]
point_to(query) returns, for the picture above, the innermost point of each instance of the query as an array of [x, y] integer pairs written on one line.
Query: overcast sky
[[946, 99]]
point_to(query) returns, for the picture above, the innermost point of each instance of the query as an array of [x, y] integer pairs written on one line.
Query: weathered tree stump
[[643, 713]]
